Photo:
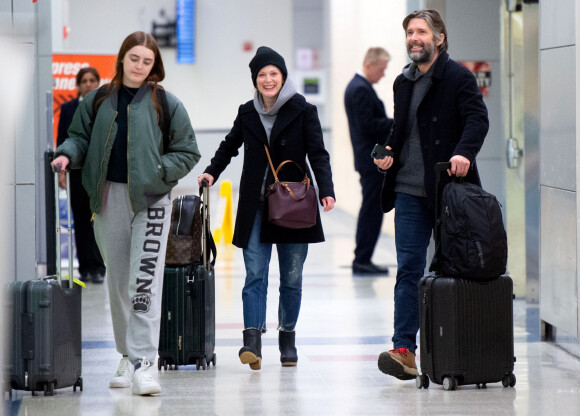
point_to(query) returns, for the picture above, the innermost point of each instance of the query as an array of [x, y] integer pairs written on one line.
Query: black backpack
[[472, 241], [164, 122]]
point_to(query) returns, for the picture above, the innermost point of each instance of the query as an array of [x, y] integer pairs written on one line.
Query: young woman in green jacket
[[128, 172]]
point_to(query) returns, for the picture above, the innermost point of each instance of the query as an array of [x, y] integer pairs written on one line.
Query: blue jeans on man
[[413, 229], [257, 256]]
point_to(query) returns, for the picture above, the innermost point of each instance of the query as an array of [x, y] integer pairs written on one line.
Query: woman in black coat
[[280, 118], [91, 264]]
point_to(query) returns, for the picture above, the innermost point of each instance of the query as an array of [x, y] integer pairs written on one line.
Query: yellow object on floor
[[226, 231]]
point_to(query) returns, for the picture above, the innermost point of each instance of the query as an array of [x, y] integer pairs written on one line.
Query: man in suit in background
[[368, 124]]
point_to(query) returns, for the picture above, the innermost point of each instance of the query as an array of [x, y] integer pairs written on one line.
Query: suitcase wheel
[[449, 383], [49, 389], [422, 381], [165, 364], [509, 380], [213, 359], [78, 384]]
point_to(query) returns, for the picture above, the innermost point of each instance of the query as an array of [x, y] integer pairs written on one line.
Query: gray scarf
[[268, 118]]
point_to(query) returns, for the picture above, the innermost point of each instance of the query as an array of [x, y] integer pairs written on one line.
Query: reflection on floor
[[345, 322]]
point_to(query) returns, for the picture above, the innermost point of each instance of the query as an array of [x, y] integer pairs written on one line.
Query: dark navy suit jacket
[[67, 111], [367, 121]]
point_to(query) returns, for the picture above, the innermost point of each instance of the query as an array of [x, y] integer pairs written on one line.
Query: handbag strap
[[275, 171]]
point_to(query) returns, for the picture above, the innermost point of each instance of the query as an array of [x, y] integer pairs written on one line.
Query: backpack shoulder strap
[[165, 121]]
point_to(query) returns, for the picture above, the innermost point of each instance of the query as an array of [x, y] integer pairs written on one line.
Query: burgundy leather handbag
[[291, 204]]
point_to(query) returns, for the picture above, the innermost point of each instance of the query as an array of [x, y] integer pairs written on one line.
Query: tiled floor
[[345, 322]]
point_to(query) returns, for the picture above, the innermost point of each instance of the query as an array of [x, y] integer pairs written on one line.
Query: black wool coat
[[452, 120], [296, 134]]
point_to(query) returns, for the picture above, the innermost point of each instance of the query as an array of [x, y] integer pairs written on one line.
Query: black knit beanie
[[266, 56]]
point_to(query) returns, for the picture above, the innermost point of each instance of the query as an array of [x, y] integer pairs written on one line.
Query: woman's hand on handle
[[62, 161], [328, 203], [207, 177]]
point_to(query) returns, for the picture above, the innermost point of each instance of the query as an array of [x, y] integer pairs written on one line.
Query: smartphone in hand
[[380, 152]]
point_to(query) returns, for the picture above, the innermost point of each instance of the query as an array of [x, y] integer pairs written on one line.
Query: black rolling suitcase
[[187, 334], [466, 329], [46, 328]]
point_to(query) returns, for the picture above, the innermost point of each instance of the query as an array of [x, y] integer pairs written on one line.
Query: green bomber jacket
[[152, 170]]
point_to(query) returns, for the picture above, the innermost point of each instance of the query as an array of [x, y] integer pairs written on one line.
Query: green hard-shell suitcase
[[46, 326]]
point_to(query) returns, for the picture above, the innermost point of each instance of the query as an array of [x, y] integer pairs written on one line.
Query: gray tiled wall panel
[[558, 286], [558, 118], [557, 23], [466, 21], [25, 229]]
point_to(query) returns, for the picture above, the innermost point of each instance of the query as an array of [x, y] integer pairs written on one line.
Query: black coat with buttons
[[452, 120], [296, 134]]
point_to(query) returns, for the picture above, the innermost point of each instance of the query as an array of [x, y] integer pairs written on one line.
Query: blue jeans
[[413, 228], [257, 256]]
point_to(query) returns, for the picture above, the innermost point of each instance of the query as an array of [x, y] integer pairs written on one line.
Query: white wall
[[211, 89], [356, 26], [214, 87]]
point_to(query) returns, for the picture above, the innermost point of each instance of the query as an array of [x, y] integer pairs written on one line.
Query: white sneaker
[[144, 380], [124, 374]]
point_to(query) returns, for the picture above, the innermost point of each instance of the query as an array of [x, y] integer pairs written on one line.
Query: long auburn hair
[[156, 75]]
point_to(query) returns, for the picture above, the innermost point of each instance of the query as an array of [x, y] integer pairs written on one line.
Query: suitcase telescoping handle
[[205, 222], [208, 247], [56, 169], [439, 168]]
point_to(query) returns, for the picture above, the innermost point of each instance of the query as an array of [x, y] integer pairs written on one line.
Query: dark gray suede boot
[[287, 345], [251, 352]]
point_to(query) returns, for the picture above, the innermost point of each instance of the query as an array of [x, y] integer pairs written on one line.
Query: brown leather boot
[[251, 352]]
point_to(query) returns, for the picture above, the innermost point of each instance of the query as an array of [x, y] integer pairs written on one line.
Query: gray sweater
[[411, 175]]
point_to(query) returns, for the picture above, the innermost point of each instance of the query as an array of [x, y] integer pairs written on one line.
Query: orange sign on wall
[[64, 71]]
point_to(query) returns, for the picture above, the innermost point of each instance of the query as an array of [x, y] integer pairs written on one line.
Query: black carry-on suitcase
[[46, 327], [187, 334], [466, 328]]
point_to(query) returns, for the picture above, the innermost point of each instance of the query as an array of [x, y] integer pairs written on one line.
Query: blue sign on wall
[[185, 31]]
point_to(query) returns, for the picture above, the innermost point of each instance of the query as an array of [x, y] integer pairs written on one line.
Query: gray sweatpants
[[133, 248]]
